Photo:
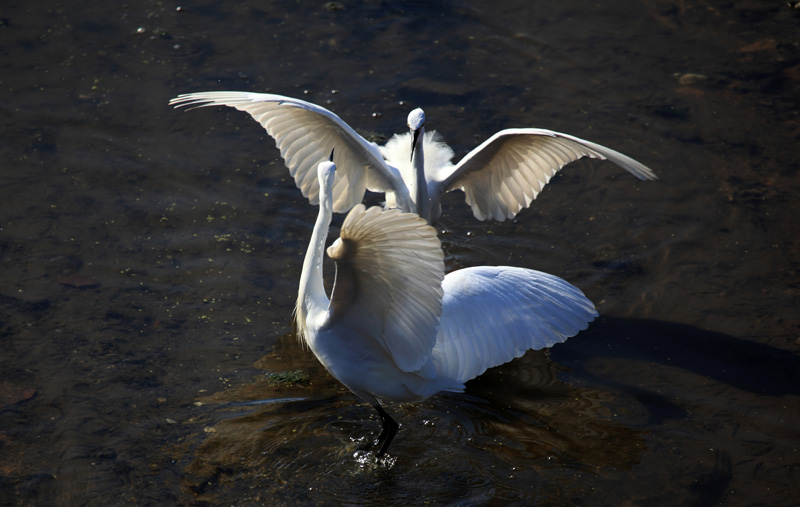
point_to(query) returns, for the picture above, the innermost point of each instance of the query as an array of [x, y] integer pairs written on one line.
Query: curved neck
[[421, 197], [311, 296]]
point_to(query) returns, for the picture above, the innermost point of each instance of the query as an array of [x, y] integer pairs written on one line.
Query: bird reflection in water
[[518, 419]]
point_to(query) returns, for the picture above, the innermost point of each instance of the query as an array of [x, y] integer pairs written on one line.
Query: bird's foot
[[388, 432]]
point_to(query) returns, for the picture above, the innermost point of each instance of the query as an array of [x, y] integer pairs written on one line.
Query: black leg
[[388, 432]]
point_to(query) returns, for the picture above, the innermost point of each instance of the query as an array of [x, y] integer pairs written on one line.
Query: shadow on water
[[746, 365], [530, 430]]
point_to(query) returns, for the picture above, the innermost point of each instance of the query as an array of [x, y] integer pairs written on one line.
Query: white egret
[[500, 177], [397, 329]]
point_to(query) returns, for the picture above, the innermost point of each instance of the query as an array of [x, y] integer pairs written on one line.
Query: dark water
[[141, 379]]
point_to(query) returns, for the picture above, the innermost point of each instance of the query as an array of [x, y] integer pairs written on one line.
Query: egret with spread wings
[[397, 329], [499, 178]]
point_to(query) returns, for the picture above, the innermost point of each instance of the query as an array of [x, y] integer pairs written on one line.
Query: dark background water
[[151, 256]]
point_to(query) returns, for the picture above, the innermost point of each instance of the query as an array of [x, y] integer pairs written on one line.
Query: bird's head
[[416, 119], [326, 170], [416, 123]]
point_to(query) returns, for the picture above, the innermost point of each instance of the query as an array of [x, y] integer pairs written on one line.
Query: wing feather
[[305, 134], [505, 173], [491, 315], [389, 272]]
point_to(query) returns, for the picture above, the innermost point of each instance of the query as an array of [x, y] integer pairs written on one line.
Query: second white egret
[[500, 177]]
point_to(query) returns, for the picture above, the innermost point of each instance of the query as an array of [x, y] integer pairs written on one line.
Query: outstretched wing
[[389, 271], [493, 314], [305, 134], [506, 173]]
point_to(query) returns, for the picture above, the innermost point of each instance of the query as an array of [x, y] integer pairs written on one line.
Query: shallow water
[[142, 379]]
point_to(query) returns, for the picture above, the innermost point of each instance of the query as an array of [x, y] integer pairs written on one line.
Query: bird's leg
[[388, 432]]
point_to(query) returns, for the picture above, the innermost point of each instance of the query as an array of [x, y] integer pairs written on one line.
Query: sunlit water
[[152, 256]]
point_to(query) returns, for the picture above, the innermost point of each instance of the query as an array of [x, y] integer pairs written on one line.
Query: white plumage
[[397, 329], [500, 177]]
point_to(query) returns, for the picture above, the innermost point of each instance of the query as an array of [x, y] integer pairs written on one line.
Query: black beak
[[414, 143], [331, 157]]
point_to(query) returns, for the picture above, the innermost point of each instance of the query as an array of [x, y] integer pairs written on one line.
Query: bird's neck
[[421, 198], [311, 296]]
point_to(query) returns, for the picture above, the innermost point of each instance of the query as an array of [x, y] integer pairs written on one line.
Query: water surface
[[152, 256]]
